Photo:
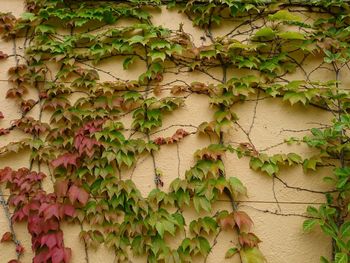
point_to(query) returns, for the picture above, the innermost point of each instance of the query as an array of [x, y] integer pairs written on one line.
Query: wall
[[277, 211]]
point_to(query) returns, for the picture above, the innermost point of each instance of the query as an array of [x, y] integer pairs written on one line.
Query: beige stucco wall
[[282, 238]]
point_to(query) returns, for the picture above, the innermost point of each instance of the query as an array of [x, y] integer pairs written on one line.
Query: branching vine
[[99, 131]]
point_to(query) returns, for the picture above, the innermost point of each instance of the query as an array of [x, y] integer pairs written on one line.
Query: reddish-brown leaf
[[15, 92], [4, 131], [227, 222], [3, 55], [176, 90], [243, 221], [78, 194], [177, 136], [67, 210], [248, 239], [65, 160], [6, 237], [159, 141], [61, 188], [199, 88], [27, 105], [43, 95]]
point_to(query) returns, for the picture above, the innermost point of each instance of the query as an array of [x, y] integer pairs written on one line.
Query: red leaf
[[67, 254], [19, 249], [65, 160], [76, 193], [35, 224], [50, 211], [67, 210], [5, 174], [41, 257], [1, 115], [14, 261], [85, 144], [6, 237], [159, 141], [57, 255], [243, 221], [51, 225], [52, 240]]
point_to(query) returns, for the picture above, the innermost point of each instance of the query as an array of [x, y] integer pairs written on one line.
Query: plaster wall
[[276, 211]]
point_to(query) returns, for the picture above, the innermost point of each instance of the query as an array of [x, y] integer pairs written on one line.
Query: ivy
[[97, 132]]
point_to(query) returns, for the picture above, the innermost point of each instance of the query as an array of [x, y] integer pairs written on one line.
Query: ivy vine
[[97, 130]]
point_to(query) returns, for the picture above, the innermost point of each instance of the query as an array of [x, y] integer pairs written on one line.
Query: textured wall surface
[[277, 211]]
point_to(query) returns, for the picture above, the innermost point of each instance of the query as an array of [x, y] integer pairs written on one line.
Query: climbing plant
[[90, 133]]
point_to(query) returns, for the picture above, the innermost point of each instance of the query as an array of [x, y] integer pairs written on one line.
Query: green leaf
[[205, 204], [209, 225], [294, 97], [309, 224], [265, 32], [45, 29], [179, 219], [291, 35], [231, 252], [137, 39], [169, 227], [328, 230], [270, 168], [204, 246], [341, 258], [284, 15], [255, 163], [324, 260], [97, 235], [201, 202], [177, 49], [345, 229], [159, 44], [28, 16], [294, 158], [310, 164], [132, 95], [251, 255], [312, 211], [160, 229], [128, 61], [156, 67], [207, 54], [237, 188], [155, 54]]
